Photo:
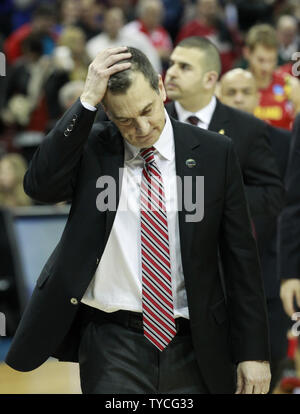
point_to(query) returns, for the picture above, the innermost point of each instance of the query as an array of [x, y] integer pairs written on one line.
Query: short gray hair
[[120, 82]]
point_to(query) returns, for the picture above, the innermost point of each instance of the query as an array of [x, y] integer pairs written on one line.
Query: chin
[[172, 95]]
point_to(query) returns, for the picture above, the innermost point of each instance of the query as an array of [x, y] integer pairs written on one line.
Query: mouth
[[144, 138], [171, 85]]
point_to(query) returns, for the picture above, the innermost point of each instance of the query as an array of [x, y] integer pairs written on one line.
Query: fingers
[[118, 68], [287, 297], [253, 377], [298, 296], [113, 59], [239, 385], [288, 305], [261, 388], [110, 60], [106, 63]]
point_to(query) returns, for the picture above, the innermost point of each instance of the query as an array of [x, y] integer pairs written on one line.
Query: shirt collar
[[164, 145], [205, 114]]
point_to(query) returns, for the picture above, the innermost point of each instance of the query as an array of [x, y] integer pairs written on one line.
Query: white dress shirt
[[117, 283], [205, 114]]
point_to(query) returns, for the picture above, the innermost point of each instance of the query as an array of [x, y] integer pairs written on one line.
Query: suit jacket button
[[74, 301], [66, 133]]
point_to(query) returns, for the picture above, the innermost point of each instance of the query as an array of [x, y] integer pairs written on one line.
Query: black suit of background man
[[250, 136], [290, 220]]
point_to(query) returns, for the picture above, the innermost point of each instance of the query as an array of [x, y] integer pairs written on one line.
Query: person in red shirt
[[209, 24], [150, 15], [279, 92], [42, 24]]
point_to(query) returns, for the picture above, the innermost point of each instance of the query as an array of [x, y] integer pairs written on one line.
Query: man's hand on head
[[105, 64]]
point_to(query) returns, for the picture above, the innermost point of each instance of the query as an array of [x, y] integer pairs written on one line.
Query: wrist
[[89, 100]]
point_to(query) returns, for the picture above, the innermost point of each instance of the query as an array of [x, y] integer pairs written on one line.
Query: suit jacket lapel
[[219, 121], [185, 149], [170, 107]]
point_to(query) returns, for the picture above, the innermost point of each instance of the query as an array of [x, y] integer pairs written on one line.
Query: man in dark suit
[[238, 89], [134, 293], [191, 82], [290, 230]]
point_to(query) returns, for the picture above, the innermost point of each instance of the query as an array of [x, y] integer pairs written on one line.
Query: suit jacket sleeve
[[289, 230], [243, 279], [52, 171], [264, 187]]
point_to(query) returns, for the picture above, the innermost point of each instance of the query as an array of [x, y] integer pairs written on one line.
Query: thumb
[[298, 297], [239, 384]]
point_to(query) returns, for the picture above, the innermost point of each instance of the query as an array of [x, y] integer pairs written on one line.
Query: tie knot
[[193, 120], [148, 155]]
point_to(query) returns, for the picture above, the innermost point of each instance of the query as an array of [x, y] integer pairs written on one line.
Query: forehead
[[138, 96], [264, 51], [192, 56], [238, 82]]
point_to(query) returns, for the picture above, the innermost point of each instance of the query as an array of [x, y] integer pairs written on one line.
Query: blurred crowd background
[[48, 45]]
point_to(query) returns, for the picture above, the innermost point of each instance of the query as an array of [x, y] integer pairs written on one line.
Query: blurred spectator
[[69, 93], [288, 38], [174, 11], [42, 24], [231, 14], [22, 11], [69, 12], [70, 54], [91, 17], [6, 10], [70, 63], [210, 24], [253, 11], [113, 35], [238, 89], [150, 16], [12, 170], [127, 6], [279, 92], [24, 103]]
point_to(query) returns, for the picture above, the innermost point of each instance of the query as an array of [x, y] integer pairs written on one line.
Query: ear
[[210, 79], [162, 88], [246, 52]]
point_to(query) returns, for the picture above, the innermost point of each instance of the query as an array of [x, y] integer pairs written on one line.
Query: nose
[[142, 126], [238, 97], [171, 71]]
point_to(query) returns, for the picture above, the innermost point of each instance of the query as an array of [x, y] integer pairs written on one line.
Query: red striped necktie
[[157, 298]]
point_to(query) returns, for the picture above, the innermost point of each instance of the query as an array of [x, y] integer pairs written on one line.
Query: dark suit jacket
[[290, 218], [67, 166], [264, 188], [267, 227]]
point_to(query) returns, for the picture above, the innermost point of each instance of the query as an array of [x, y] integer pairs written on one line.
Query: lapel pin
[[190, 163], [222, 131]]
